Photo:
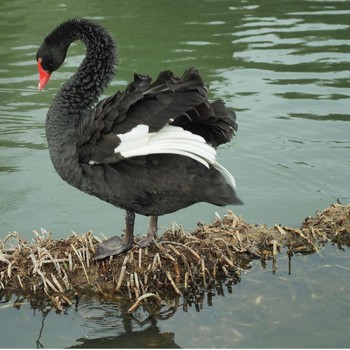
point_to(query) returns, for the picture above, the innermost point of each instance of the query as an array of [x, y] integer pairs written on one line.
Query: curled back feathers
[[168, 100]]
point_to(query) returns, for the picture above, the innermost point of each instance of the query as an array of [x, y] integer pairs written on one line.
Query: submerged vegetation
[[179, 263]]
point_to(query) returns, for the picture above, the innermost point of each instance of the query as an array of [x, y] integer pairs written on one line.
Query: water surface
[[285, 71]]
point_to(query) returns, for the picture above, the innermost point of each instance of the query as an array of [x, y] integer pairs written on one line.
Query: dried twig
[[184, 246], [203, 273], [144, 296], [163, 250], [82, 263], [173, 283], [122, 272]]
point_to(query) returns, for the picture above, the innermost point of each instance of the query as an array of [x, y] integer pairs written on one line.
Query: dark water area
[[284, 68]]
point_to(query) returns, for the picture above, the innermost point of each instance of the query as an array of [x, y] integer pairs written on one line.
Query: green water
[[284, 67]]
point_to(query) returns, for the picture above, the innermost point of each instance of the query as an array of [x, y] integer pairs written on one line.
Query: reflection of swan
[[108, 324], [149, 336]]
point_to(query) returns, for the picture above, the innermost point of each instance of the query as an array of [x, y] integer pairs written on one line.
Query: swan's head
[[50, 57]]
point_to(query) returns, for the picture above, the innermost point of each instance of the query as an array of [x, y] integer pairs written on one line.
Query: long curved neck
[[81, 91], [77, 96]]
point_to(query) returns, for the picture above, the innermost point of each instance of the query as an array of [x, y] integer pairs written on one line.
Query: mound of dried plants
[[179, 262]]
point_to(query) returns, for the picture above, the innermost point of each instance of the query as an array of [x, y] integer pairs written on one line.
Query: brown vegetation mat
[[179, 262]]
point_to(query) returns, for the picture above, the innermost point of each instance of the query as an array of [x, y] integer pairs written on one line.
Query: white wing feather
[[170, 139]]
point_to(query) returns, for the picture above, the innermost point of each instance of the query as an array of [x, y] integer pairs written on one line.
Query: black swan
[[149, 149]]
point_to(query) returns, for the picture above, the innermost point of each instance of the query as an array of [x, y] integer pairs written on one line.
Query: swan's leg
[[151, 233], [115, 245]]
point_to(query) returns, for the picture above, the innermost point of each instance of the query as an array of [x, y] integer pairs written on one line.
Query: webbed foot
[[145, 241], [112, 246]]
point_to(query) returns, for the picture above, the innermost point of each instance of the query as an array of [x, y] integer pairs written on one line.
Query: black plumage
[[84, 139]]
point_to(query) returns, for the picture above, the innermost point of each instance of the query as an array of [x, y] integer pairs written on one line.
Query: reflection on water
[[285, 70], [110, 325], [304, 296]]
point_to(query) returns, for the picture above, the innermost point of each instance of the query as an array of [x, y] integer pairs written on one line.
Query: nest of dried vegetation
[[179, 262]]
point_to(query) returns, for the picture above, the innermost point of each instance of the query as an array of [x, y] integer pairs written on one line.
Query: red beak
[[44, 76]]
